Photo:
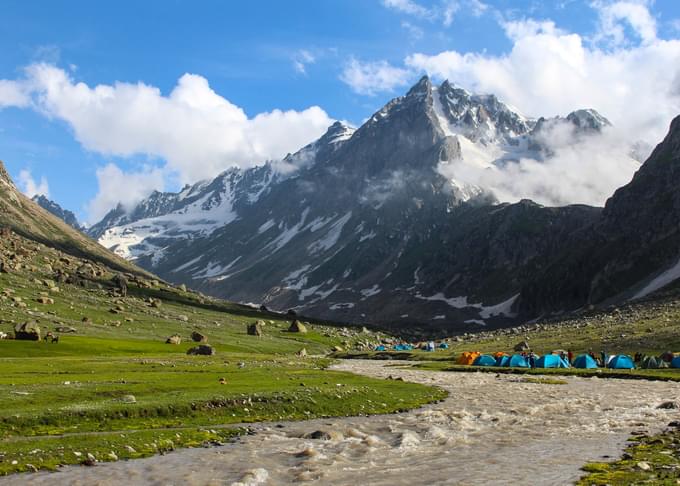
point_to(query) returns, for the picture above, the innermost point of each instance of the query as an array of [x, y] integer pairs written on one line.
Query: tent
[[676, 362], [485, 360], [585, 361], [403, 347], [621, 362], [518, 361], [380, 348], [503, 360], [443, 346], [467, 358], [651, 363], [551, 361], [499, 354]]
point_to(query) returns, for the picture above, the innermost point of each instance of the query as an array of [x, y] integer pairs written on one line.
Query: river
[[496, 429]]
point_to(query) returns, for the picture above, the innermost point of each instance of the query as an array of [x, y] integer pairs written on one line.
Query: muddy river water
[[493, 429]]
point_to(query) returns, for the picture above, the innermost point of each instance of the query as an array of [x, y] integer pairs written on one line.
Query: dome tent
[[485, 360], [652, 363], [503, 360], [551, 361], [676, 362], [467, 358], [584, 361], [621, 362], [518, 361]]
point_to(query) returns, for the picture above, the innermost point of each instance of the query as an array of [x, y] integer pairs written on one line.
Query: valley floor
[[491, 429]]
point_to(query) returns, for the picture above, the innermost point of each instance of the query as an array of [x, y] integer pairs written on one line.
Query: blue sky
[[346, 57]]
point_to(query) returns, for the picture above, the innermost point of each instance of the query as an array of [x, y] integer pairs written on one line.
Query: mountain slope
[[368, 228], [64, 214], [632, 250], [28, 219]]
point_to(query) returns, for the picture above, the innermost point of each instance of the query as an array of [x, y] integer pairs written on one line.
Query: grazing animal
[[55, 339], [48, 336]]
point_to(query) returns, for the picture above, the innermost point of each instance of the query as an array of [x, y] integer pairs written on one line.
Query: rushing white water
[[496, 429]]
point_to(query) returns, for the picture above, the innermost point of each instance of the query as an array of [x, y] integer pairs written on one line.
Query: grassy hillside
[[30, 220], [113, 388]]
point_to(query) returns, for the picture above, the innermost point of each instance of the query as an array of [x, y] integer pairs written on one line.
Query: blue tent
[[380, 348], [621, 362], [551, 361], [503, 361], [485, 360], [517, 361], [443, 346], [585, 361], [403, 347], [676, 362]]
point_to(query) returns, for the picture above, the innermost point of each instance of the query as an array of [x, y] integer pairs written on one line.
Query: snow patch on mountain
[[665, 278]]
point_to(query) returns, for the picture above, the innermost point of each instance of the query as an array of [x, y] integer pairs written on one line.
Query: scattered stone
[[89, 460], [128, 399], [182, 287], [45, 300], [644, 466], [66, 329], [28, 331], [223, 381], [325, 435], [669, 406], [255, 329], [297, 326], [302, 353], [197, 337], [183, 318], [202, 350], [174, 339], [523, 346]]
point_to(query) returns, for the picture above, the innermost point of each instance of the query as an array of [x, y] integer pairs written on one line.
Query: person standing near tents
[[603, 355], [570, 356], [532, 360]]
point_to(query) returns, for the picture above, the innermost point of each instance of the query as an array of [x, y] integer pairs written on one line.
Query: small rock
[[202, 350], [197, 337], [128, 399], [644, 466]]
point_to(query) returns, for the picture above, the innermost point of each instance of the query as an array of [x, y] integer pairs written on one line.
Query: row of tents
[[584, 361]]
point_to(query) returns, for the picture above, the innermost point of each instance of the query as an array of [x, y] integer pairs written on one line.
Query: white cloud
[[369, 78], [301, 59], [197, 132], [451, 7], [616, 16], [414, 32], [582, 169], [549, 71], [12, 94], [408, 7], [128, 188], [444, 11], [30, 187]]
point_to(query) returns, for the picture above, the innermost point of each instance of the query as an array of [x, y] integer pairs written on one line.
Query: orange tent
[[467, 358], [499, 354]]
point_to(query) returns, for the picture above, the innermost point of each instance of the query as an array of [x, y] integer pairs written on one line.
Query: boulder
[[182, 287], [255, 329], [28, 331], [523, 346], [302, 353], [44, 300], [174, 339], [297, 326], [66, 329], [202, 350], [197, 337]]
